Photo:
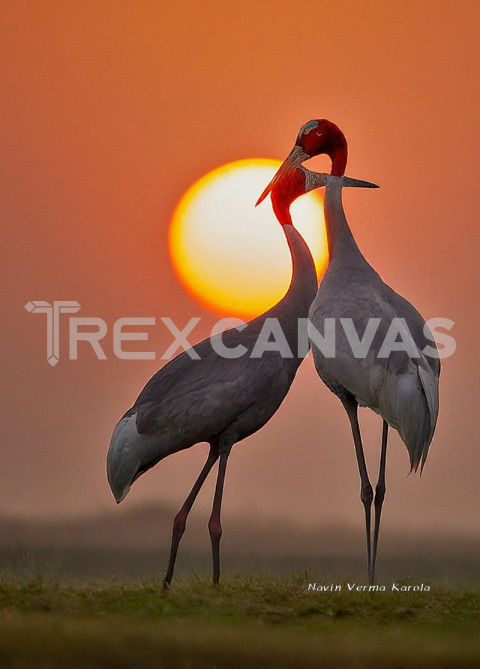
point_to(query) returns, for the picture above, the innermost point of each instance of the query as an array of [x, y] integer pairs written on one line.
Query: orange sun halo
[[232, 256]]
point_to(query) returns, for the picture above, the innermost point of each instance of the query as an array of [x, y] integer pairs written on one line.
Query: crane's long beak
[[294, 159], [315, 180], [356, 183]]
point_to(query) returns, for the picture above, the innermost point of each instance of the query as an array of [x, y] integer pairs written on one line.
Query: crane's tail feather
[[130, 454], [430, 387], [413, 401]]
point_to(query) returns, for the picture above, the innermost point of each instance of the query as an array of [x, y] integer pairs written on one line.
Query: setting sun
[[231, 256]]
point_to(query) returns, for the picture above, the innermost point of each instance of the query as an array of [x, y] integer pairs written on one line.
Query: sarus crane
[[369, 367], [216, 399], [204, 396]]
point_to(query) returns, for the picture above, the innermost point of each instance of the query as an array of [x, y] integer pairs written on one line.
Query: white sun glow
[[231, 255]]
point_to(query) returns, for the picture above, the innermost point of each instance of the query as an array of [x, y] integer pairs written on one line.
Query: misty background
[[110, 112]]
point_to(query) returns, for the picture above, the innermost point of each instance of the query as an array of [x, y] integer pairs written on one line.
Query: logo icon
[[53, 322]]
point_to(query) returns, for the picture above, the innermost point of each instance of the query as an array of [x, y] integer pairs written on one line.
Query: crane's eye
[[319, 133]]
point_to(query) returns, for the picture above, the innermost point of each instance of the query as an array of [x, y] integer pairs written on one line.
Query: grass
[[247, 621]]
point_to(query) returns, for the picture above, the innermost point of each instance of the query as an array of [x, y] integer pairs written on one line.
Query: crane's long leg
[[181, 517], [214, 525], [379, 495], [366, 492]]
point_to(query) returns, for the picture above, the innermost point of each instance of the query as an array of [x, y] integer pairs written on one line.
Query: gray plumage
[[400, 385], [362, 364], [401, 388], [213, 399]]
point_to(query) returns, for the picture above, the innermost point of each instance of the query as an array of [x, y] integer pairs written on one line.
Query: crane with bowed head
[[400, 383]]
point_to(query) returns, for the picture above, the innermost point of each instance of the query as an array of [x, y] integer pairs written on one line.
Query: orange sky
[[111, 110]]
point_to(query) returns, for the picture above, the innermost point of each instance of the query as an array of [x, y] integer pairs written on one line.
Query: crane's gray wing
[[402, 386], [196, 399], [416, 324]]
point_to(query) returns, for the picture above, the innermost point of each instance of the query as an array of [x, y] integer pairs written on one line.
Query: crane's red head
[[315, 137], [322, 136]]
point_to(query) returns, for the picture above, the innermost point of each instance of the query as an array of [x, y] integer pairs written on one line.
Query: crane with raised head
[[205, 396], [365, 364]]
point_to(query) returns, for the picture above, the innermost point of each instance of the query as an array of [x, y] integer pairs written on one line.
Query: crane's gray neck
[[297, 300], [341, 243], [303, 286]]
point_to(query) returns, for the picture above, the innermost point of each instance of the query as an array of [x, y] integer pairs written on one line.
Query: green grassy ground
[[245, 622]]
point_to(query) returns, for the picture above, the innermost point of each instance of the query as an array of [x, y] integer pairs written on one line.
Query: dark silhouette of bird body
[[399, 385], [213, 398]]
